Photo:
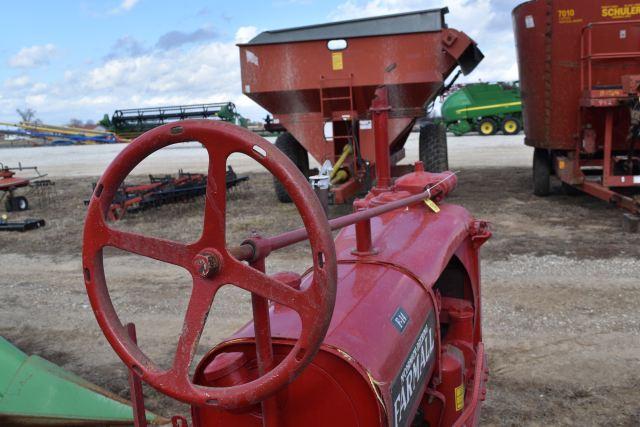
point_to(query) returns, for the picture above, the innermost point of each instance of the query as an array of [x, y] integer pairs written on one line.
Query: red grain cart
[[580, 77], [319, 83]]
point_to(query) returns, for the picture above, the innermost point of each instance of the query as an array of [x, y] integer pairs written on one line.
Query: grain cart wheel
[[297, 154], [541, 172], [433, 147], [511, 126], [487, 127], [212, 264]]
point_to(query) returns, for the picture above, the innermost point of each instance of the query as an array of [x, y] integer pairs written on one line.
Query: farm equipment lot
[[561, 288]]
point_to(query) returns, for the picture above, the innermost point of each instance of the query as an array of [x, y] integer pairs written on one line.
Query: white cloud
[[33, 56], [185, 75], [125, 6], [244, 34], [18, 82]]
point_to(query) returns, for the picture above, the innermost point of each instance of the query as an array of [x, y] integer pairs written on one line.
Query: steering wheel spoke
[[214, 228], [151, 247], [259, 283], [195, 318]]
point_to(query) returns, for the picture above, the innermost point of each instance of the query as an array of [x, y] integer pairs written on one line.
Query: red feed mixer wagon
[[580, 79], [319, 83]]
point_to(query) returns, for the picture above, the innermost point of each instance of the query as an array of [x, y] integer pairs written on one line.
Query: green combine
[[486, 108]]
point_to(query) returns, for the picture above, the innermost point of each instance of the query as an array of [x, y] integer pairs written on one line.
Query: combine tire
[[541, 172], [511, 126], [16, 204], [433, 147], [297, 154], [487, 127]]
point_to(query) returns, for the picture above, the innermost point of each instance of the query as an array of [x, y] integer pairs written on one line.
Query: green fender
[[35, 391]]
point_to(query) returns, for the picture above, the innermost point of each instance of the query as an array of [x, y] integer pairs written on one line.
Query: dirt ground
[[561, 295]]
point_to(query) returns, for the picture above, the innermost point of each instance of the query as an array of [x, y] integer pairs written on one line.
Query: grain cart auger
[[319, 83], [383, 329], [580, 77]]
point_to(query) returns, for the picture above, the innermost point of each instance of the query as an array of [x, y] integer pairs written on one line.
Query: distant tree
[[27, 115], [75, 123], [89, 124], [106, 122]]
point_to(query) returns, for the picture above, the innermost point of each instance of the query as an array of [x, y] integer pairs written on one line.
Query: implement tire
[[298, 155], [487, 127], [541, 172], [433, 147], [511, 126], [16, 204]]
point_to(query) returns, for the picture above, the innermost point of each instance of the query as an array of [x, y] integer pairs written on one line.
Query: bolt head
[[207, 264]]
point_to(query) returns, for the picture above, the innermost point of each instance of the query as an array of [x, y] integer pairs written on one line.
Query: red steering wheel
[[212, 264]]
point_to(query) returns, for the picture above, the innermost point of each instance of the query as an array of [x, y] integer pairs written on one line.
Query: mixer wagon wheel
[[511, 126], [541, 172], [212, 263], [433, 147], [297, 154], [487, 127]]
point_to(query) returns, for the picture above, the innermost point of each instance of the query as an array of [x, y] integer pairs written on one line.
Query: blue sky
[[80, 59]]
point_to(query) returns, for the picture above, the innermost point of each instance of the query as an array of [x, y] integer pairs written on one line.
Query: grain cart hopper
[[319, 83], [580, 77], [384, 328]]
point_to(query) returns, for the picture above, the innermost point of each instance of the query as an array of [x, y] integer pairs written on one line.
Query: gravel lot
[[561, 282]]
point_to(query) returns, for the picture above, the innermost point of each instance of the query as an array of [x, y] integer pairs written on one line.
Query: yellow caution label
[[432, 205], [459, 397], [336, 61]]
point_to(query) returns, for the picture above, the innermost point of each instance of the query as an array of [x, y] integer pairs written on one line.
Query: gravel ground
[[560, 284], [92, 160]]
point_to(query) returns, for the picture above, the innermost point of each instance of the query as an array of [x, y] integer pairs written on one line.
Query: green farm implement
[[486, 108]]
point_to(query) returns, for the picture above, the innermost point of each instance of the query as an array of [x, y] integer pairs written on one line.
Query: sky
[[81, 59]]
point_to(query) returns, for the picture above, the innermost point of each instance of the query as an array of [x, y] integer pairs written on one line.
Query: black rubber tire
[[297, 154], [488, 120], [16, 204], [515, 131], [433, 147], [541, 172]]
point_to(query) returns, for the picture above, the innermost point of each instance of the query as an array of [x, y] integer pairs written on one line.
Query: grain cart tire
[[298, 155], [433, 147], [511, 126], [487, 127], [541, 172]]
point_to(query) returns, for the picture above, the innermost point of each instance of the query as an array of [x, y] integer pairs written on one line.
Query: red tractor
[[384, 328]]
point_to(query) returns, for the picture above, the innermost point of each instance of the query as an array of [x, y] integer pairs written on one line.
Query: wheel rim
[[510, 126], [486, 128]]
